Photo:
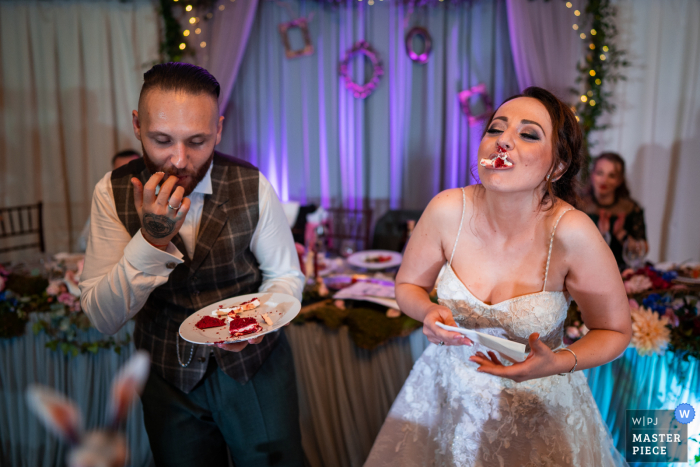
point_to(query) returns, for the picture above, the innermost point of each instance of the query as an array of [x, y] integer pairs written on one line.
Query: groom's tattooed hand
[[158, 226]]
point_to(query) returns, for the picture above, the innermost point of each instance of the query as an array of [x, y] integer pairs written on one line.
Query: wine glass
[[347, 247], [634, 252]]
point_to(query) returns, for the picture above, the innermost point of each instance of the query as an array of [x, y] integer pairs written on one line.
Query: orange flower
[[649, 331]]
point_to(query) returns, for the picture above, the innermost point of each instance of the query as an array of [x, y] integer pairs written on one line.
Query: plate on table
[[375, 259], [280, 308]]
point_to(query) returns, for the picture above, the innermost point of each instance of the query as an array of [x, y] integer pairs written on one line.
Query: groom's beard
[[195, 176]]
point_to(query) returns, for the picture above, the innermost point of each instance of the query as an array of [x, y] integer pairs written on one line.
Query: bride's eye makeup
[[493, 131], [531, 136]]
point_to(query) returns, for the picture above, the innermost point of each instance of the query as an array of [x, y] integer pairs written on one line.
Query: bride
[[514, 252]]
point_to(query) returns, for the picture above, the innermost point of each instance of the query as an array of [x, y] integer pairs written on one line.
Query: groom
[[171, 233]]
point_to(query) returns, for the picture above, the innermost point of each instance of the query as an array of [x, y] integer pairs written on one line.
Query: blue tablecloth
[[630, 382], [85, 378], [634, 382]]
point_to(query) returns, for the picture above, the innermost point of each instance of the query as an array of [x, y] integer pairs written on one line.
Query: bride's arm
[[594, 282], [422, 260]]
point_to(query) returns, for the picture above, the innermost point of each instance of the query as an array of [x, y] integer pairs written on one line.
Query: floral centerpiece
[[664, 314], [58, 297]]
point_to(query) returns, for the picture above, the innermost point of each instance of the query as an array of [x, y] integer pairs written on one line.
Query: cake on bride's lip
[[498, 161]]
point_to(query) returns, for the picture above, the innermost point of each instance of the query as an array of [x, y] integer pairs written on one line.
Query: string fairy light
[[186, 32], [188, 8]]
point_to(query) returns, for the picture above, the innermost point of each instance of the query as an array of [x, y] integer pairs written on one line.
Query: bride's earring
[[547, 177]]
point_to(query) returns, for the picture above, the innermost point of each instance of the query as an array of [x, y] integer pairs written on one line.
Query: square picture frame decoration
[[303, 25]]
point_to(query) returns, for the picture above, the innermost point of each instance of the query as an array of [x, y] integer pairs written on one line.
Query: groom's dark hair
[[184, 77]]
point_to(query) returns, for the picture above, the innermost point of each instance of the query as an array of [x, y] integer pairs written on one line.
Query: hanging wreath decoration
[[478, 90], [361, 90], [427, 44], [303, 25]]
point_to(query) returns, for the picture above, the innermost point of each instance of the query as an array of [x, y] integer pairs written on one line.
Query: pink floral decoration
[[53, 288], [672, 318], [637, 284], [633, 304], [361, 90], [464, 96]]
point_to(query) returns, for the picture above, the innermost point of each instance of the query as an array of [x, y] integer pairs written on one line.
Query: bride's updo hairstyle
[[567, 138]]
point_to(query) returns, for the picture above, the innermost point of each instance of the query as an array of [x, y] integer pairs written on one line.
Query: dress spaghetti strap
[[551, 242], [464, 206]]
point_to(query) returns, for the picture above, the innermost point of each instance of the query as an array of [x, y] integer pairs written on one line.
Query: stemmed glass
[[634, 252]]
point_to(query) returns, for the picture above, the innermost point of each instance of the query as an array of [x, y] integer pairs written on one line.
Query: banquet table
[[345, 392]]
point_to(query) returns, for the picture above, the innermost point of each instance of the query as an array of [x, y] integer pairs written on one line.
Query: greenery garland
[[174, 45], [599, 69], [62, 321]]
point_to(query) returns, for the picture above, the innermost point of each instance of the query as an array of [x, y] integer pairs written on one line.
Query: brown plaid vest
[[223, 266]]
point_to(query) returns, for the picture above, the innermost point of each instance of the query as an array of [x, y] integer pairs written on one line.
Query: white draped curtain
[[70, 74], [397, 148], [545, 46], [225, 40], [656, 126]]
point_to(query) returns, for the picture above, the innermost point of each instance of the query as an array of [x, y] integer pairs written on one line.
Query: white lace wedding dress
[[448, 414]]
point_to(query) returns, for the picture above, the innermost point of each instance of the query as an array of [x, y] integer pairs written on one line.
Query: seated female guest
[[607, 201]]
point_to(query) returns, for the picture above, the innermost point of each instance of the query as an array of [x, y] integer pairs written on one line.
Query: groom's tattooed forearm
[[158, 226]]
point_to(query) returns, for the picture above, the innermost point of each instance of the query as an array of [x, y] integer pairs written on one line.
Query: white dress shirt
[[120, 272]]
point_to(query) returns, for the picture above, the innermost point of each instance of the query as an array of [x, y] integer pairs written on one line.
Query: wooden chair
[[349, 226], [21, 228]]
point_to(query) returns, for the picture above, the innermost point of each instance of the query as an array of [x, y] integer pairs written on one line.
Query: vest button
[[202, 359], [170, 265]]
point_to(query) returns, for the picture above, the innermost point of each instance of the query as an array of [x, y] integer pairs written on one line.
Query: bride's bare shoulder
[[576, 230], [446, 206]]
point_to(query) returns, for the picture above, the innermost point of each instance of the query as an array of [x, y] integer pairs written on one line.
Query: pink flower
[[53, 288], [66, 299], [573, 332], [637, 284], [672, 318], [633, 304], [627, 273]]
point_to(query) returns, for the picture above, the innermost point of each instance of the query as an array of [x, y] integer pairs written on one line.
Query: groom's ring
[[175, 209], [441, 343]]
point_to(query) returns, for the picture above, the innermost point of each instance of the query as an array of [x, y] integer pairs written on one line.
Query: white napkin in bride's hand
[[511, 349]]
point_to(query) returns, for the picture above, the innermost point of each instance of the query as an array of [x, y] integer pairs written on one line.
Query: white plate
[[280, 308], [686, 280], [359, 259]]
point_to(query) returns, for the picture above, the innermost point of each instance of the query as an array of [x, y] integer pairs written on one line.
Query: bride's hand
[[436, 335], [540, 362]]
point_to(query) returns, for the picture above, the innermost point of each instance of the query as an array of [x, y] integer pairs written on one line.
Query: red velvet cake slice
[[242, 326], [208, 322]]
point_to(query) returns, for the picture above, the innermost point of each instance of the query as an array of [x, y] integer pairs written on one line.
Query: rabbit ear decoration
[[59, 414], [127, 386]]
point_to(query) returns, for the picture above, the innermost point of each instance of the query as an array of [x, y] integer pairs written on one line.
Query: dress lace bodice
[[514, 319]]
